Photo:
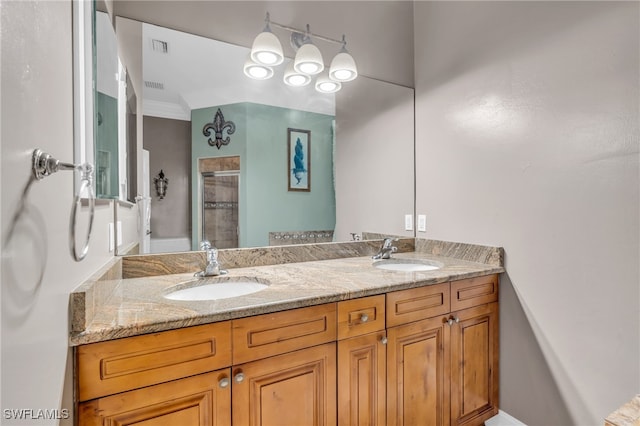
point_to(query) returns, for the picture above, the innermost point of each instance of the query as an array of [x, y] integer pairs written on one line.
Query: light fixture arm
[[306, 32]]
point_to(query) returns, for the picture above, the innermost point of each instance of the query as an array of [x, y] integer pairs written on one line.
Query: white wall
[[38, 272], [527, 138], [374, 144]]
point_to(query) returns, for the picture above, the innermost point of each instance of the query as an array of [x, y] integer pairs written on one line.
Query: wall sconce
[[266, 52], [161, 183]]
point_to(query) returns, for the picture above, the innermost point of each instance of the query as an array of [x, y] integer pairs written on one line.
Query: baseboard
[[503, 419]]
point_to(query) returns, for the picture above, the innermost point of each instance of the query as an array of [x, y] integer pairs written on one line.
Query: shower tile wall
[[221, 210]]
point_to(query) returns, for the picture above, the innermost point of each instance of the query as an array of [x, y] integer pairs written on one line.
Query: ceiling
[[379, 33], [197, 72]]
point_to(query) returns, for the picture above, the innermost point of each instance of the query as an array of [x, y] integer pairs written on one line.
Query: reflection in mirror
[[106, 108], [186, 79]]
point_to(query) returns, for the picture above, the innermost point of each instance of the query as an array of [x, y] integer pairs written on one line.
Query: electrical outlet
[[422, 223], [408, 222]]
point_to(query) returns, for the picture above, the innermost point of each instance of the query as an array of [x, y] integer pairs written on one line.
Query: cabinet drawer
[[198, 400], [473, 292], [262, 336], [360, 316], [417, 303], [120, 365]]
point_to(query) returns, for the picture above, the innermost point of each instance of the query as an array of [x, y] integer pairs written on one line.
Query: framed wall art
[[299, 159]]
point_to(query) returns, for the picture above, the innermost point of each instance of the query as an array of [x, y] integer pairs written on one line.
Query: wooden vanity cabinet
[[423, 356], [442, 369], [284, 369], [362, 362], [171, 377], [201, 400]]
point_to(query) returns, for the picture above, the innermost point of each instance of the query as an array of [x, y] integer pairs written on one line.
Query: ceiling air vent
[[154, 85], [159, 46]]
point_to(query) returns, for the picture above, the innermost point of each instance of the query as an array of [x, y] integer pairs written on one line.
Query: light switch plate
[[422, 223], [119, 233], [111, 238], [408, 222]]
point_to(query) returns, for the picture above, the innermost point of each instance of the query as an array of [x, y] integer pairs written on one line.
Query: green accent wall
[[260, 140], [106, 146]]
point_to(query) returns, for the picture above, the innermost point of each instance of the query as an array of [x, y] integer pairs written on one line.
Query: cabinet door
[[200, 400], [361, 380], [418, 373], [296, 389], [474, 365]]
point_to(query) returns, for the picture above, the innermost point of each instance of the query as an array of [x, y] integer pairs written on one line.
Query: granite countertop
[[136, 306], [627, 415]]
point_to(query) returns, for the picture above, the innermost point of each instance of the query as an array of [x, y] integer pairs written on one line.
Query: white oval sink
[[407, 265], [214, 288]]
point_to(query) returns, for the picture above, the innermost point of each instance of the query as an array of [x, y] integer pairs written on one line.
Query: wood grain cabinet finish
[[417, 303], [474, 367], [297, 388], [418, 366], [115, 366], [266, 335], [443, 370], [362, 383], [194, 401], [357, 317]]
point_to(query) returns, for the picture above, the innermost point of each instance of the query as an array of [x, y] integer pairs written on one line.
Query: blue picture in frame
[[299, 159]]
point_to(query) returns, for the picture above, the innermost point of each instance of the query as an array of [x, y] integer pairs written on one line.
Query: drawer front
[[415, 304], [262, 336], [357, 317], [115, 366], [473, 292]]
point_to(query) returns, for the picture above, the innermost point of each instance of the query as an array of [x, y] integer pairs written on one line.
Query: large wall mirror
[[358, 145]]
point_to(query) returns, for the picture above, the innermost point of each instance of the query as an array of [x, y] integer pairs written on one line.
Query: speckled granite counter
[[136, 306], [627, 415]]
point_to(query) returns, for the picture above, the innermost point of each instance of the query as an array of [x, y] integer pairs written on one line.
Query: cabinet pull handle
[[224, 382], [239, 378], [364, 318], [384, 340], [450, 321], [457, 320]]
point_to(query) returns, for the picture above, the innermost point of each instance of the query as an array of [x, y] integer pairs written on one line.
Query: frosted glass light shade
[[308, 60], [343, 67], [325, 85], [294, 78], [266, 49], [257, 71]]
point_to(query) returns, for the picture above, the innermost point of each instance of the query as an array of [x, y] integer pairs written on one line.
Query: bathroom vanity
[[328, 342]]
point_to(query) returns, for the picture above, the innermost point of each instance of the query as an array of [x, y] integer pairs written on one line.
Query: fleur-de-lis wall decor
[[219, 125]]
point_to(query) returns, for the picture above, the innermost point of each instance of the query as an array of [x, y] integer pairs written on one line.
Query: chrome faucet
[[213, 267], [386, 249]]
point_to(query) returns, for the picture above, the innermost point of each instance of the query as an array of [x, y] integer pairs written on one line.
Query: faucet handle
[[205, 245], [388, 241]]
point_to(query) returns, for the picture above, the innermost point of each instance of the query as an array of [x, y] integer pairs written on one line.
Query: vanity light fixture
[[257, 71], [295, 78], [308, 60], [266, 52], [161, 182], [343, 66], [266, 49], [325, 85]]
